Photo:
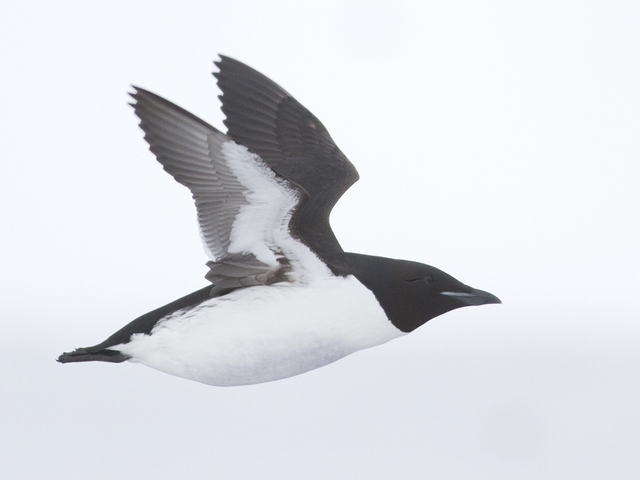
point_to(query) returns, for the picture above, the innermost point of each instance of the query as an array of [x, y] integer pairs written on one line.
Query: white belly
[[260, 334]]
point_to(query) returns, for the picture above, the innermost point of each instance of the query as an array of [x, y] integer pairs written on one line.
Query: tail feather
[[85, 355]]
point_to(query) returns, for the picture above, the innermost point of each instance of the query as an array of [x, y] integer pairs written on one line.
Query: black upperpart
[[412, 293]]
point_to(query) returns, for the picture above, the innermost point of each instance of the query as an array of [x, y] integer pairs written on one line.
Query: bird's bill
[[474, 297]]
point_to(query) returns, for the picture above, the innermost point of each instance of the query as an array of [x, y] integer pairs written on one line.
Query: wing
[[292, 141], [244, 208]]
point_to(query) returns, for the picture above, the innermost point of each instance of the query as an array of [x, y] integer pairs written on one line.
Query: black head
[[412, 293]]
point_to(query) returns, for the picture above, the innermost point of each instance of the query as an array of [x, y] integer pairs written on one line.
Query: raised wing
[[244, 208], [292, 141]]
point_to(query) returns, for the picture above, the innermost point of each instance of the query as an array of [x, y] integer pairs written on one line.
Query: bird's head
[[413, 293]]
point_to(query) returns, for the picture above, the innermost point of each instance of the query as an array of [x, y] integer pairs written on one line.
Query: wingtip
[[139, 91], [135, 95], [142, 95], [224, 58], [221, 59], [218, 64]]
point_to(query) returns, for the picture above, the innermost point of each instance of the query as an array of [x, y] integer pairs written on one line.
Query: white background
[[496, 140]]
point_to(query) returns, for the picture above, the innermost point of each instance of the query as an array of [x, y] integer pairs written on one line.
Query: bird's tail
[[87, 355]]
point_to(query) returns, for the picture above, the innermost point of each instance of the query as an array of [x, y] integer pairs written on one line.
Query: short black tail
[[85, 355]]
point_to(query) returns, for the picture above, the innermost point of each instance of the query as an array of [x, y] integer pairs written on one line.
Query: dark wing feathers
[[191, 151], [184, 145], [293, 142], [287, 137]]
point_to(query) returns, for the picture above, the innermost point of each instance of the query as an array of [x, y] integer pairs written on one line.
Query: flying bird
[[284, 297]]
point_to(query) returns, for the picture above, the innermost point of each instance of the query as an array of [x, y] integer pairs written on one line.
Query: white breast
[[260, 334]]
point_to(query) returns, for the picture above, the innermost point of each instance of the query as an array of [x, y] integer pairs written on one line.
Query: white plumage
[[259, 334]]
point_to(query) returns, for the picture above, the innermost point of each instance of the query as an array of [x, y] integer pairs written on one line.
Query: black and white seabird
[[285, 297]]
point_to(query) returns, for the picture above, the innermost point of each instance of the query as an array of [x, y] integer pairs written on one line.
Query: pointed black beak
[[474, 297]]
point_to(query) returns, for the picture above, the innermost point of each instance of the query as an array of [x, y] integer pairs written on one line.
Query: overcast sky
[[498, 141]]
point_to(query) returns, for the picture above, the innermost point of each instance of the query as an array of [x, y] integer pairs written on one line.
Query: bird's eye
[[427, 279]]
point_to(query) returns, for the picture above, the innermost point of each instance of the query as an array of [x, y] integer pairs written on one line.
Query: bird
[[284, 298]]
